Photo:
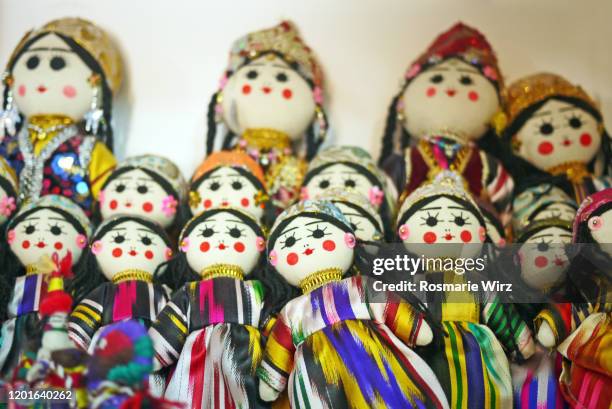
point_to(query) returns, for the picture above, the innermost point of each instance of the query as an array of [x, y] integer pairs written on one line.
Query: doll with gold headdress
[[556, 134], [441, 115], [56, 118], [270, 99]]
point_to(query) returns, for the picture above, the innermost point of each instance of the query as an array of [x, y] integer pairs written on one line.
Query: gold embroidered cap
[[91, 38]]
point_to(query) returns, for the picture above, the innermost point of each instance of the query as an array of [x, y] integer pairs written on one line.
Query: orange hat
[[232, 159]]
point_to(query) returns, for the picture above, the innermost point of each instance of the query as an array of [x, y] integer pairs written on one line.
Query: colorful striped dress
[[210, 329], [114, 302], [19, 334], [345, 346], [473, 368]]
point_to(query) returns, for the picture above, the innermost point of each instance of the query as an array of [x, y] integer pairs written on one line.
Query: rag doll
[[582, 330], [210, 329], [555, 132], [270, 98], [148, 186], [49, 227], [59, 85], [443, 110], [350, 168], [121, 278], [229, 179], [8, 206], [441, 221], [340, 344]]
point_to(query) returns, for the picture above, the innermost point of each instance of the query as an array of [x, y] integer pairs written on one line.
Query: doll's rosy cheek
[[207, 203], [545, 148], [540, 261], [25, 244], [595, 223], [58, 246], [246, 89], [431, 91], [473, 96], [429, 237], [239, 246], [586, 139], [466, 236], [292, 259], [113, 204], [21, 90], [245, 202], [147, 207], [149, 254], [204, 247], [69, 91], [287, 93], [117, 252], [329, 245]]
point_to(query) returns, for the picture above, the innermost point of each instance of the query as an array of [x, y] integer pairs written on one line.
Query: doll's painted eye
[[214, 186], [235, 232], [430, 220], [207, 232], [575, 122], [146, 240], [324, 184], [281, 77], [252, 74], [318, 232], [56, 230], [32, 62], [120, 188], [350, 183], [289, 242], [30, 229], [466, 80], [546, 128], [355, 225], [119, 238], [543, 246], [142, 189], [57, 63], [436, 79], [460, 220], [236, 185]]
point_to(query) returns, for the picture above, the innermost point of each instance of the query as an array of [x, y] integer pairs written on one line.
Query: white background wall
[[175, 52]]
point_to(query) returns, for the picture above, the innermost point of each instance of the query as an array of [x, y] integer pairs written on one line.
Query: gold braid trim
[[42, 127], [319, 278], [222, 270], [131, 275], [265, 138], [575, 171]]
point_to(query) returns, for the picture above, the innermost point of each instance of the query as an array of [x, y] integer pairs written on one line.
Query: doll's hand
[[425, 335], [546, 336], [266, 392]]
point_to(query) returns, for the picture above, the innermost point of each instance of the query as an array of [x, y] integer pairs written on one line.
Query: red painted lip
[[222, 246], [41, 89], [308, 251], [451, 92], [41, 245], [132, 253], [559, 262], [225, 203], [448, 236], [567, 142], [266, 90]]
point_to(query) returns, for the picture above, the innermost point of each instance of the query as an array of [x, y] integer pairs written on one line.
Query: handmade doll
[[445, 105], [340, 344], [231, 179], [122, 277], [119, 369], [59, 85], [210, 328], [148, 186], [440, 220], [51, 225], [270, 99], [350, 168], [555, 131]]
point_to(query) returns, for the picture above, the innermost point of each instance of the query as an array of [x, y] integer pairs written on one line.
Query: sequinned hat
[[534, 198], [89, 37], [8, 173], [588, 206], [447, 183], [532, 89], [159, 165], [235, 159], [463, 42], [283, 39], [71, 210]]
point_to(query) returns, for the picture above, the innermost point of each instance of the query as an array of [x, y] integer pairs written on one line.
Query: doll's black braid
[[387, 142], [211, 132]]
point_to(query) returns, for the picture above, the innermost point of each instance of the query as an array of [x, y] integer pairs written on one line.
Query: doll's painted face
[[443, 221], [452, 95], [308, 245], [223, 238], [543, 258], [362, 226], [227, 187], [43, 233], [558, 210], [50, 78], [136, 193], [267, 93], [129, 246], [339, 176], [557, 133]]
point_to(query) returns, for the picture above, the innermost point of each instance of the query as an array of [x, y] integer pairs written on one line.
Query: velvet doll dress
[[337, 347], [210, 330], [473, 368]]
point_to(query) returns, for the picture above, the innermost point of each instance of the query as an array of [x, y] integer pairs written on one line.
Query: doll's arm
[[553, 324], [101, 165], [170, 329], [508, 326], [86, 318], [277, 361]]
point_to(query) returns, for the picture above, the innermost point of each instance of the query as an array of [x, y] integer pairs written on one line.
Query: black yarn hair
[[6, 280], [312, 142], [384, 210], [388, 143], [105, 132], [524, 173], [89, 276]]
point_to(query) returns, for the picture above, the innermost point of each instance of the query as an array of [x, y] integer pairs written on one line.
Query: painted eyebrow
[[31, 218], [543, 113], [117, 228], [354, 214], [565, 109], [429, 208], [50, 49], [328, 172], [541, 236], [472, 71], [280, 66], [236, 221], [145, 230], [457, 208], [288, 230], [57, 219], [438, 69]]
